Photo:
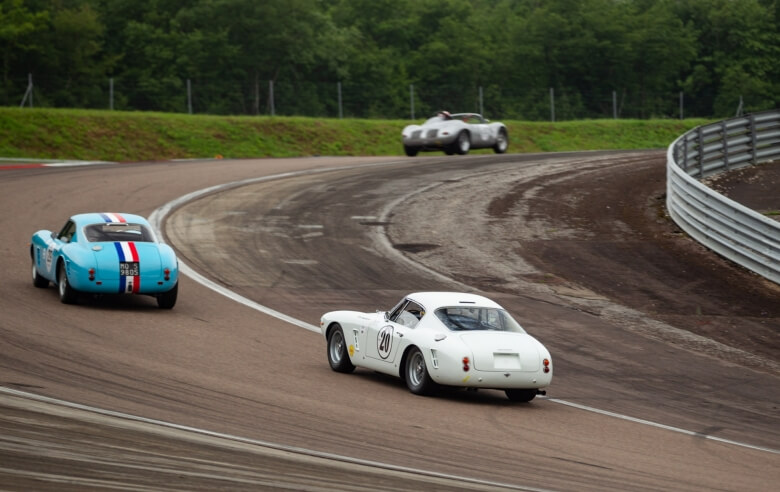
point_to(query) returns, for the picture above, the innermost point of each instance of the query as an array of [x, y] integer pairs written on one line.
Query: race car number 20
[[384, 341]]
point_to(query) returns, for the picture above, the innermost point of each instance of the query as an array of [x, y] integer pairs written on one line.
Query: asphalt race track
[[653, 390]]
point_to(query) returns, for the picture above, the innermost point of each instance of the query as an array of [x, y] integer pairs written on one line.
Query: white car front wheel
[[338, 358]]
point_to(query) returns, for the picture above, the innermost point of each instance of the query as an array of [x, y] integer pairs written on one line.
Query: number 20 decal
[[384, 341]]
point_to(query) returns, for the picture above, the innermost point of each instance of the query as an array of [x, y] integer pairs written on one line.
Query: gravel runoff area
[[598, 238]]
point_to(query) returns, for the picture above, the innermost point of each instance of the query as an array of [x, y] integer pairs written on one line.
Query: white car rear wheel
[[521, 395], [462, 143], [502, 142], [416, 374]]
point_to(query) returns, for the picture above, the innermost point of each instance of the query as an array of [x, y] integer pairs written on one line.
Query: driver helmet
[[445, 115]]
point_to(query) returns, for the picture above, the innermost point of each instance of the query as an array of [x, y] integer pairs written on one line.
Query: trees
[[514, 50]]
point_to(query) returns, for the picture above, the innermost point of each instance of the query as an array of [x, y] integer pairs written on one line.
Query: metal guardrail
[[734, 231]]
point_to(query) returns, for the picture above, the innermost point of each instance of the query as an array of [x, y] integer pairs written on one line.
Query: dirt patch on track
[[626, 248]]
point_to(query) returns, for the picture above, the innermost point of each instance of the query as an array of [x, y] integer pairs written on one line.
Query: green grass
[[140, 136]]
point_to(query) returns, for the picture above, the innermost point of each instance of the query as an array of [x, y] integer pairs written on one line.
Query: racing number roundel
[[384, 341]]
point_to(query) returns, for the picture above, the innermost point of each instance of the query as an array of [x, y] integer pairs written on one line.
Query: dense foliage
[[395, 58]]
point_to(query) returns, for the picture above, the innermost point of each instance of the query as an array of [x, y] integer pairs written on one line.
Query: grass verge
[[43, 133]]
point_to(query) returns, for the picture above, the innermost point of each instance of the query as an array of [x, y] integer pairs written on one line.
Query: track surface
[[323, 241]]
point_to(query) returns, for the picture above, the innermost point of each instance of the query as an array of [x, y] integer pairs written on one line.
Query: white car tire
[[502, 142], [416, 374], [462, 143], [521, 395], [338, 358]]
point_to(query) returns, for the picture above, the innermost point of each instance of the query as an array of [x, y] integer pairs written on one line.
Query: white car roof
[[435, 300]]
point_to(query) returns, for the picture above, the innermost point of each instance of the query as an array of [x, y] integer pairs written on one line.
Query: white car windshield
[[477, 318]]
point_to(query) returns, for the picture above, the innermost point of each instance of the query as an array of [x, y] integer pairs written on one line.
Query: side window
[[409, 314], [396, 312], [67, 232]]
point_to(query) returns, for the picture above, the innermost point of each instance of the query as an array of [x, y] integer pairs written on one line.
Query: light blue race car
[[105, 253]]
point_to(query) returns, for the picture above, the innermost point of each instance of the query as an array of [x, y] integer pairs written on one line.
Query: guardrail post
[[724, 135], [700, 153], [753, 143]]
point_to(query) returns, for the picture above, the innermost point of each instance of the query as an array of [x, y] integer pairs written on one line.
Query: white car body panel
[[498, 359], [439, 133]]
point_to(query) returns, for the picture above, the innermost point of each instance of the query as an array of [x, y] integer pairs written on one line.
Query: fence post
[[481, 107], [614, 105], [189, 97], [28, 92], [271, 97], [257, 94], [681, 105], [341, 111], [111, 93], [552, 104], [411, 98], [739, 108]]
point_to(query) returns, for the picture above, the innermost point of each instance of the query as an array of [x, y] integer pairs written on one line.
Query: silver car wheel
[[337, 347], [38, 280], [337, 351], [63, 284], [416, 369], [501, 142], [464, 143]]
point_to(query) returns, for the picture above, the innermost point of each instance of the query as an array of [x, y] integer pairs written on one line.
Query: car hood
[[502, 351]]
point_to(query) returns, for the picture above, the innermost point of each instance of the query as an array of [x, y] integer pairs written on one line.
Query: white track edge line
[[266, 444]]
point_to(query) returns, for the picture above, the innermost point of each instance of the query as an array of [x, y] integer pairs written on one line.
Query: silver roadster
[[455, 134]]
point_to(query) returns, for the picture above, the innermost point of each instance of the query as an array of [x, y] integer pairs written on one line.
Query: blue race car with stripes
[[105, 253]]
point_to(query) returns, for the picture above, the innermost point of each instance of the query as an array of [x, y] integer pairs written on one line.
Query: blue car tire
[[68, 295]]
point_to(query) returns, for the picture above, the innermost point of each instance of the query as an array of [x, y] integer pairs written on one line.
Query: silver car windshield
[[477, 318], [96, 233]]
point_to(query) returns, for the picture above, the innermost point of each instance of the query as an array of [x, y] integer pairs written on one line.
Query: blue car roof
[[108, 217]]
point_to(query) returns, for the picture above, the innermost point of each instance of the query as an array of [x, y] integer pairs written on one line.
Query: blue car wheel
[[68, 294], [38, 280]]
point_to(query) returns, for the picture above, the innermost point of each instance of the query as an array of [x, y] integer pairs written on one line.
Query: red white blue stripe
[[113, 218], [128, 252]]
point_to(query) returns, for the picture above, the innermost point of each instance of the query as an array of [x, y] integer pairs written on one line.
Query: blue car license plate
[[129, 268]]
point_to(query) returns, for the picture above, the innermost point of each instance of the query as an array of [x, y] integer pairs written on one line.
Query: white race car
[[455, 134], [441, 338]]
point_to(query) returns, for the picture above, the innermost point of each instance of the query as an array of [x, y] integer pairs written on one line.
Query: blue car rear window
[[96, 233]]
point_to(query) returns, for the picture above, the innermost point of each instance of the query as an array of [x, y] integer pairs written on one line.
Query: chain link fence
[[349, 99]]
